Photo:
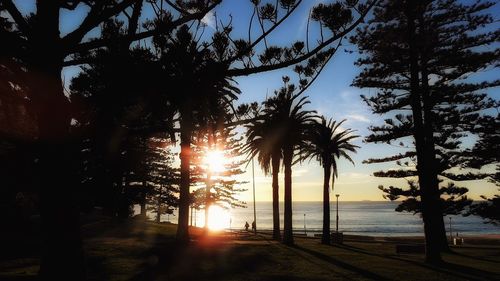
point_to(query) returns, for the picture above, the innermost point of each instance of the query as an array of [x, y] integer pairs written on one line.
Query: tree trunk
[[288, 227], [436, 211], [186, 125], [143, 209], [325, 238], [432, 248], [206, 216], [276, 195], [207, 199], [143, 200], [158, 206], [191, 216], [62, 252]]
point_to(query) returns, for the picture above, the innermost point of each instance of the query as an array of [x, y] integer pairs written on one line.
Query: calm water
[[362, 218]]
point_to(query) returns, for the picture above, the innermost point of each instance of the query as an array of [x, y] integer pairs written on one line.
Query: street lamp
[[254, 209], [337, 222], [305, 231]]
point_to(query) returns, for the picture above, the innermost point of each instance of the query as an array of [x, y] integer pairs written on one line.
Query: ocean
[[371, 218]]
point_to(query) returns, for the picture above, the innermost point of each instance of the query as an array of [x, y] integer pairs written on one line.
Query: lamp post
[[337, 221], [254, 210], [305, 231]]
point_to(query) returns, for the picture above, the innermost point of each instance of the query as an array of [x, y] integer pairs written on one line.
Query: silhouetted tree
[[163, 179], [286, 110], [486, 153], [263, 142], [36, 44], [118, 111], [328, 142], [218, 143], [488, 210], [222, 57], [419, 54]]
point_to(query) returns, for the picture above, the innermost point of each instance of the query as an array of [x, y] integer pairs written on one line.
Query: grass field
[[135, 250]]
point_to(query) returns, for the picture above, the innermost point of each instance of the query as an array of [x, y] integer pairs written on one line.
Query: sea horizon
[[366, 217]]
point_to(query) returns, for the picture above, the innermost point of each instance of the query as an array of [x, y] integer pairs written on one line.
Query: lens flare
[[218, 218], [215, 161]]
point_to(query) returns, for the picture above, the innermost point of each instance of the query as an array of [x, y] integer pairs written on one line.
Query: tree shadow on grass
[[339, 263], [461, 271], [286, 278], [96, 269], [19, 278], [473, 257], [469, 273], [303, 255], [168, 260]]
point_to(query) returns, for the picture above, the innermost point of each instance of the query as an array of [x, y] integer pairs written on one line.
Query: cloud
[[300, 172], [346, 95], [305, 17], [209, 20], [358, 117]]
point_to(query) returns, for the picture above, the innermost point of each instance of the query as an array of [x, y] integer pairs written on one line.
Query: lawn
[[136, 250]]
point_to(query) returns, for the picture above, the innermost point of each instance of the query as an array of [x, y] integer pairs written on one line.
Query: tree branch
[[177, 8], [17, 17], [134, 20], [93, 19], [98, 43], [263, 68], [264, 34]]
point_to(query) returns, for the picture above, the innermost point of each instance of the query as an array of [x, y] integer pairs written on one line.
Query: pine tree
[[36, 45], [418, 54], [116, 116], [163, 179], [214, 141], [486, 153]]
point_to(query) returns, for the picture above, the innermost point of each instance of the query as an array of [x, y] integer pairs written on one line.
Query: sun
[[214, 159], [218, 218]]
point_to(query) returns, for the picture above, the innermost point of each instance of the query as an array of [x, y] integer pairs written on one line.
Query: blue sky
[[331, 95]]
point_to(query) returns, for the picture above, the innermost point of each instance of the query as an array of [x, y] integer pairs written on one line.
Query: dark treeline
[[144, 82], [148, 83]]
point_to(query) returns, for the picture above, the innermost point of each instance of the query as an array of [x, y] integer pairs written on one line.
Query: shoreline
[[314, 233], [468, 239], [376, 235]]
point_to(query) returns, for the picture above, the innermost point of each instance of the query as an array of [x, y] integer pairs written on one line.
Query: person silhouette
[[254, 226], [246, 226]]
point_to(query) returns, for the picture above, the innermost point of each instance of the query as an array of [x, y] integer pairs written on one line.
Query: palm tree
[[292, 122], [263, 143], [329, 142]]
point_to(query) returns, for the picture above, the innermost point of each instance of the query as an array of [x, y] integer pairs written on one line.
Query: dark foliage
[[419, 55]]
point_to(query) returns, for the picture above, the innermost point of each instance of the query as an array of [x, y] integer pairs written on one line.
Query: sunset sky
[[331, 95]]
